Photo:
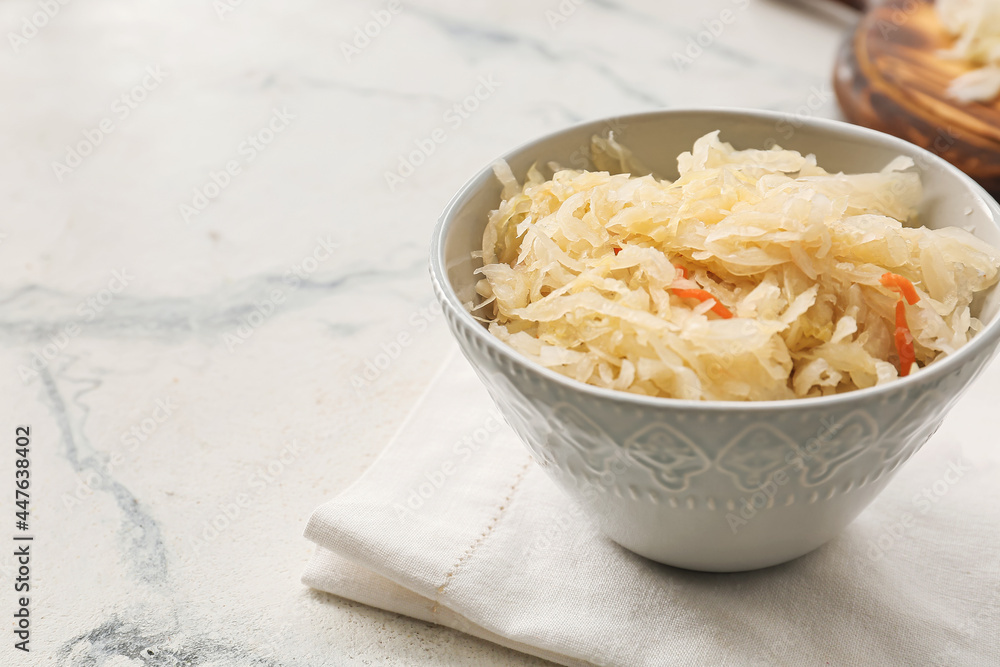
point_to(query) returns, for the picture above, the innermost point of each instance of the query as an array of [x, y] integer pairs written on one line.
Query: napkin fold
[[454, 524]]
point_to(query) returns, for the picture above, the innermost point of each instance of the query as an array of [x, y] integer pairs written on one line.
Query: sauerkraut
[[975, 24], [756, 275]]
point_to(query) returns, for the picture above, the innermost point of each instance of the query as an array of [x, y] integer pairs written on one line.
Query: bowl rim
[[446, 293]]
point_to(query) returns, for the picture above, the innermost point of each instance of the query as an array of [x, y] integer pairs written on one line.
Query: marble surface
[[204, 258]]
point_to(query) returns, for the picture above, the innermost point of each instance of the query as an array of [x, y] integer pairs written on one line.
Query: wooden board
[[889, 77]]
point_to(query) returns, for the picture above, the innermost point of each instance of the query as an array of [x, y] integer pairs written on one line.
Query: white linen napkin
[[454, 524]]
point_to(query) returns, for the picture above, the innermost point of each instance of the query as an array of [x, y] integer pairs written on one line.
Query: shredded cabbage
[[581, 273], [976, 26]]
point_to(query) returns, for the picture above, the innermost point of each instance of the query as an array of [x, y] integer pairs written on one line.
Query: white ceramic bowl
[[717, 486]]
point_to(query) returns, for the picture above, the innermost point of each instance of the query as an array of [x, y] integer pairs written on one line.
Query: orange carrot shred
[[900, 284], [617, 250], [904, 341], [702, 295], [684, 272], [903, 336]]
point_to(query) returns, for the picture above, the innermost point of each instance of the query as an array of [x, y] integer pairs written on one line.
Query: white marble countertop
[[202, 248]]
